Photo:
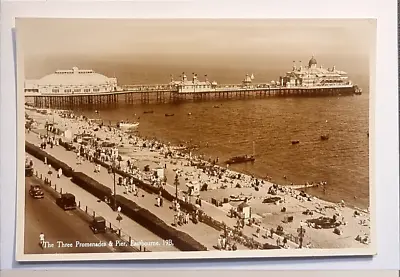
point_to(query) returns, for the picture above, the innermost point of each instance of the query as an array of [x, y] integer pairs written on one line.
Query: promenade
[[201, 232], [136, 231], [72, 226], [271, 215]]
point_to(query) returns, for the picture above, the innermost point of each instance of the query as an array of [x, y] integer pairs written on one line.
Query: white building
[[73, 81], [313, 76], [244, 210], [192, 86]]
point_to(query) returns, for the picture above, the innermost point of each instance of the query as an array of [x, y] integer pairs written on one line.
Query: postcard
[[195, 138]]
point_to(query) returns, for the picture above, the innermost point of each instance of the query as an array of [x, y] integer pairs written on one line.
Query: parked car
[[66, 201], [36, 192], [28, 171], [98, 225]]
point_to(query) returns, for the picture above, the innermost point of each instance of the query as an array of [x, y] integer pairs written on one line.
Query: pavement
[[61, 228], [201, 232], [129, 228]]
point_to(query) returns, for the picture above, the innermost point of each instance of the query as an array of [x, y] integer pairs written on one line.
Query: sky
[[50, 44]]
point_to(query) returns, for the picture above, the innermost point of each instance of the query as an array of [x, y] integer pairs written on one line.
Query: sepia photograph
[[195, 138]]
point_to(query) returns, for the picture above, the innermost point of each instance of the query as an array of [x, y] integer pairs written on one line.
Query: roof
[[243, 205], [191, 83], [312, 61], [74, 77]]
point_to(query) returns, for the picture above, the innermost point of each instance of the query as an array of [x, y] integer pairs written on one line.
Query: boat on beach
[[241, 159], [295, 141], [324, 137], [169, 114], [127, 125], [238, 198], [148, 112]]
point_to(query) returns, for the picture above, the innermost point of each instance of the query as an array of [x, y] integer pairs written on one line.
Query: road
[[43, 215], [128, 226]]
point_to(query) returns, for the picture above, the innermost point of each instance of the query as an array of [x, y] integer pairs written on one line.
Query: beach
[[290, 206]]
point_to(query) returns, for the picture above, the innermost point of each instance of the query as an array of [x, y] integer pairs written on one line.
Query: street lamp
[[111, 169], [176, 183], [301, 231]]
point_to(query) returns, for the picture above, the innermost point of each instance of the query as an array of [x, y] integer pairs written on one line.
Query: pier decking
[[157, 94]]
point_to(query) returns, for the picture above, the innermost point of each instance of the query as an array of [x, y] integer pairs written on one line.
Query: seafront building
[[73, 81], [191, 86], [314, 76]]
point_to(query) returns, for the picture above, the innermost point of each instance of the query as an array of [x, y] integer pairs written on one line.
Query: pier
[[159, 94]]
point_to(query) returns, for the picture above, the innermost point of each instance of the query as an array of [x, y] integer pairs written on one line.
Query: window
[[86, 90], [55, 90], [67, 90], [96, 90], [77, 90]]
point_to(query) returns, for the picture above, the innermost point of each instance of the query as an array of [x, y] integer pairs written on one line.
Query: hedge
[[91, 185], [40, 154], [151, 222]]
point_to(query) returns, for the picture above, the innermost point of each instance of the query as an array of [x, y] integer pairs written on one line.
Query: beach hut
[[245, 210], [159, 172], [193, 188], [68, 134]]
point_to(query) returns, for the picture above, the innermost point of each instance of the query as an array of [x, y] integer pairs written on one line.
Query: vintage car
[[66, 201], [98, 225], [28, 171], [36, 191]]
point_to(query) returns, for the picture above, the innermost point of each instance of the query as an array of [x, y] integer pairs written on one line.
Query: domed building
[[312, 62], [73, 81], [312, 76]]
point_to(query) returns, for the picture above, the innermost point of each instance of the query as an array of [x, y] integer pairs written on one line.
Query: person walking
[[41, 239], [59, 173]]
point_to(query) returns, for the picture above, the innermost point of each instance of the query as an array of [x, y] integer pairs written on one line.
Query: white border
[[385, 176]]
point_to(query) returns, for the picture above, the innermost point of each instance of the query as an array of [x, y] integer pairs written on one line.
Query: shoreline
[[187, 172], [199, 152]]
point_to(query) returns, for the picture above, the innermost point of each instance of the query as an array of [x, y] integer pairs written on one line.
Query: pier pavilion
[[73, 81]]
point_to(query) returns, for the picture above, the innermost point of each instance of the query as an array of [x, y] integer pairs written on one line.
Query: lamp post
[[301, 231], [111, 169], [176, 183]]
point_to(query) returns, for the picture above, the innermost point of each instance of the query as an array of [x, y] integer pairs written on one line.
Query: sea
[[266, 126]]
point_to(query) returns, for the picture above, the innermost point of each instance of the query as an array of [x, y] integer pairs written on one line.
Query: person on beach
[[278, 242], [59, 174]]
